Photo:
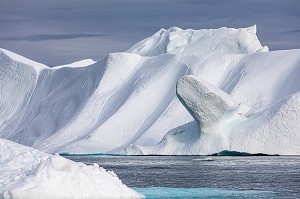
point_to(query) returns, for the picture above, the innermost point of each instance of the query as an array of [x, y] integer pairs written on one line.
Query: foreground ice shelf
[[26, 173]]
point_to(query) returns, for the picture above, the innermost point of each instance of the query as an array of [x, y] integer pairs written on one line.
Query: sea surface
[[205, 177]]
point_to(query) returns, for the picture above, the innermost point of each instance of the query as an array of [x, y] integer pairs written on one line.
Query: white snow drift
[[26, 173], [127, 103]]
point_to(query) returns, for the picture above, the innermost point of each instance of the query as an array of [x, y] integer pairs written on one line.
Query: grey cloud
[[51, 37], [293, 31], [129, 21]]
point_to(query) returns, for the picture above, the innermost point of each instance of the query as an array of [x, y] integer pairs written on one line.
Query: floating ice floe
[[26, 173]]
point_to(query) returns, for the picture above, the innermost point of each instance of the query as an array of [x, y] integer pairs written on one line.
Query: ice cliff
[[127, 102]]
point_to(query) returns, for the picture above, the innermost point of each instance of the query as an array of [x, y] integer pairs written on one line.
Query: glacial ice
[[26, 173], [205, 41], [271, 131], [127, 102]]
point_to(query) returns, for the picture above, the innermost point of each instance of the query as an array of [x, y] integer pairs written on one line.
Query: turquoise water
[[205, 177], [188, 193]]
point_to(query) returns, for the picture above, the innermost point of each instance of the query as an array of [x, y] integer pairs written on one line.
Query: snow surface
[[127, 103], [81, 63], [211, 41], [223, 125], [6, 54], [26, 173]]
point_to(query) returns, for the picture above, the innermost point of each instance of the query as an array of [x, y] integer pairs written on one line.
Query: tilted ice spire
[[206, 103]]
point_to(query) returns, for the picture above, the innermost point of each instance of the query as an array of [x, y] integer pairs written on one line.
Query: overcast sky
[[57, 32]]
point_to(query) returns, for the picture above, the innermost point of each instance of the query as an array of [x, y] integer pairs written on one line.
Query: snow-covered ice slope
[[212, 41], [26, 173], [127, 101], [224, 124]]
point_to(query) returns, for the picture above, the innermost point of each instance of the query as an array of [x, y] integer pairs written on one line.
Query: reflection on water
[[275, 175]]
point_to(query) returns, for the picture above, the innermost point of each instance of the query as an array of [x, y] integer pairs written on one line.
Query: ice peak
[[167, 31], [205, 41], [21, 59], [251, 29]]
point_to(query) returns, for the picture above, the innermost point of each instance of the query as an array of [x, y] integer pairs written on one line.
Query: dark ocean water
[[205, 177]]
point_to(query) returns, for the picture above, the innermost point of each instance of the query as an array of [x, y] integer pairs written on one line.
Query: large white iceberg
[[26, 173], [127, 101]]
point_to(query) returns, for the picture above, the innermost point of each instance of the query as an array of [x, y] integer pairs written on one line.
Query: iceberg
[[127, 103], [26, 173]]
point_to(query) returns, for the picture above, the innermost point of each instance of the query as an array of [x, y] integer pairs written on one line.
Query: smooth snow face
[[82, 63], [212, 41], [21, 59], [127, 103], [26, 173]]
